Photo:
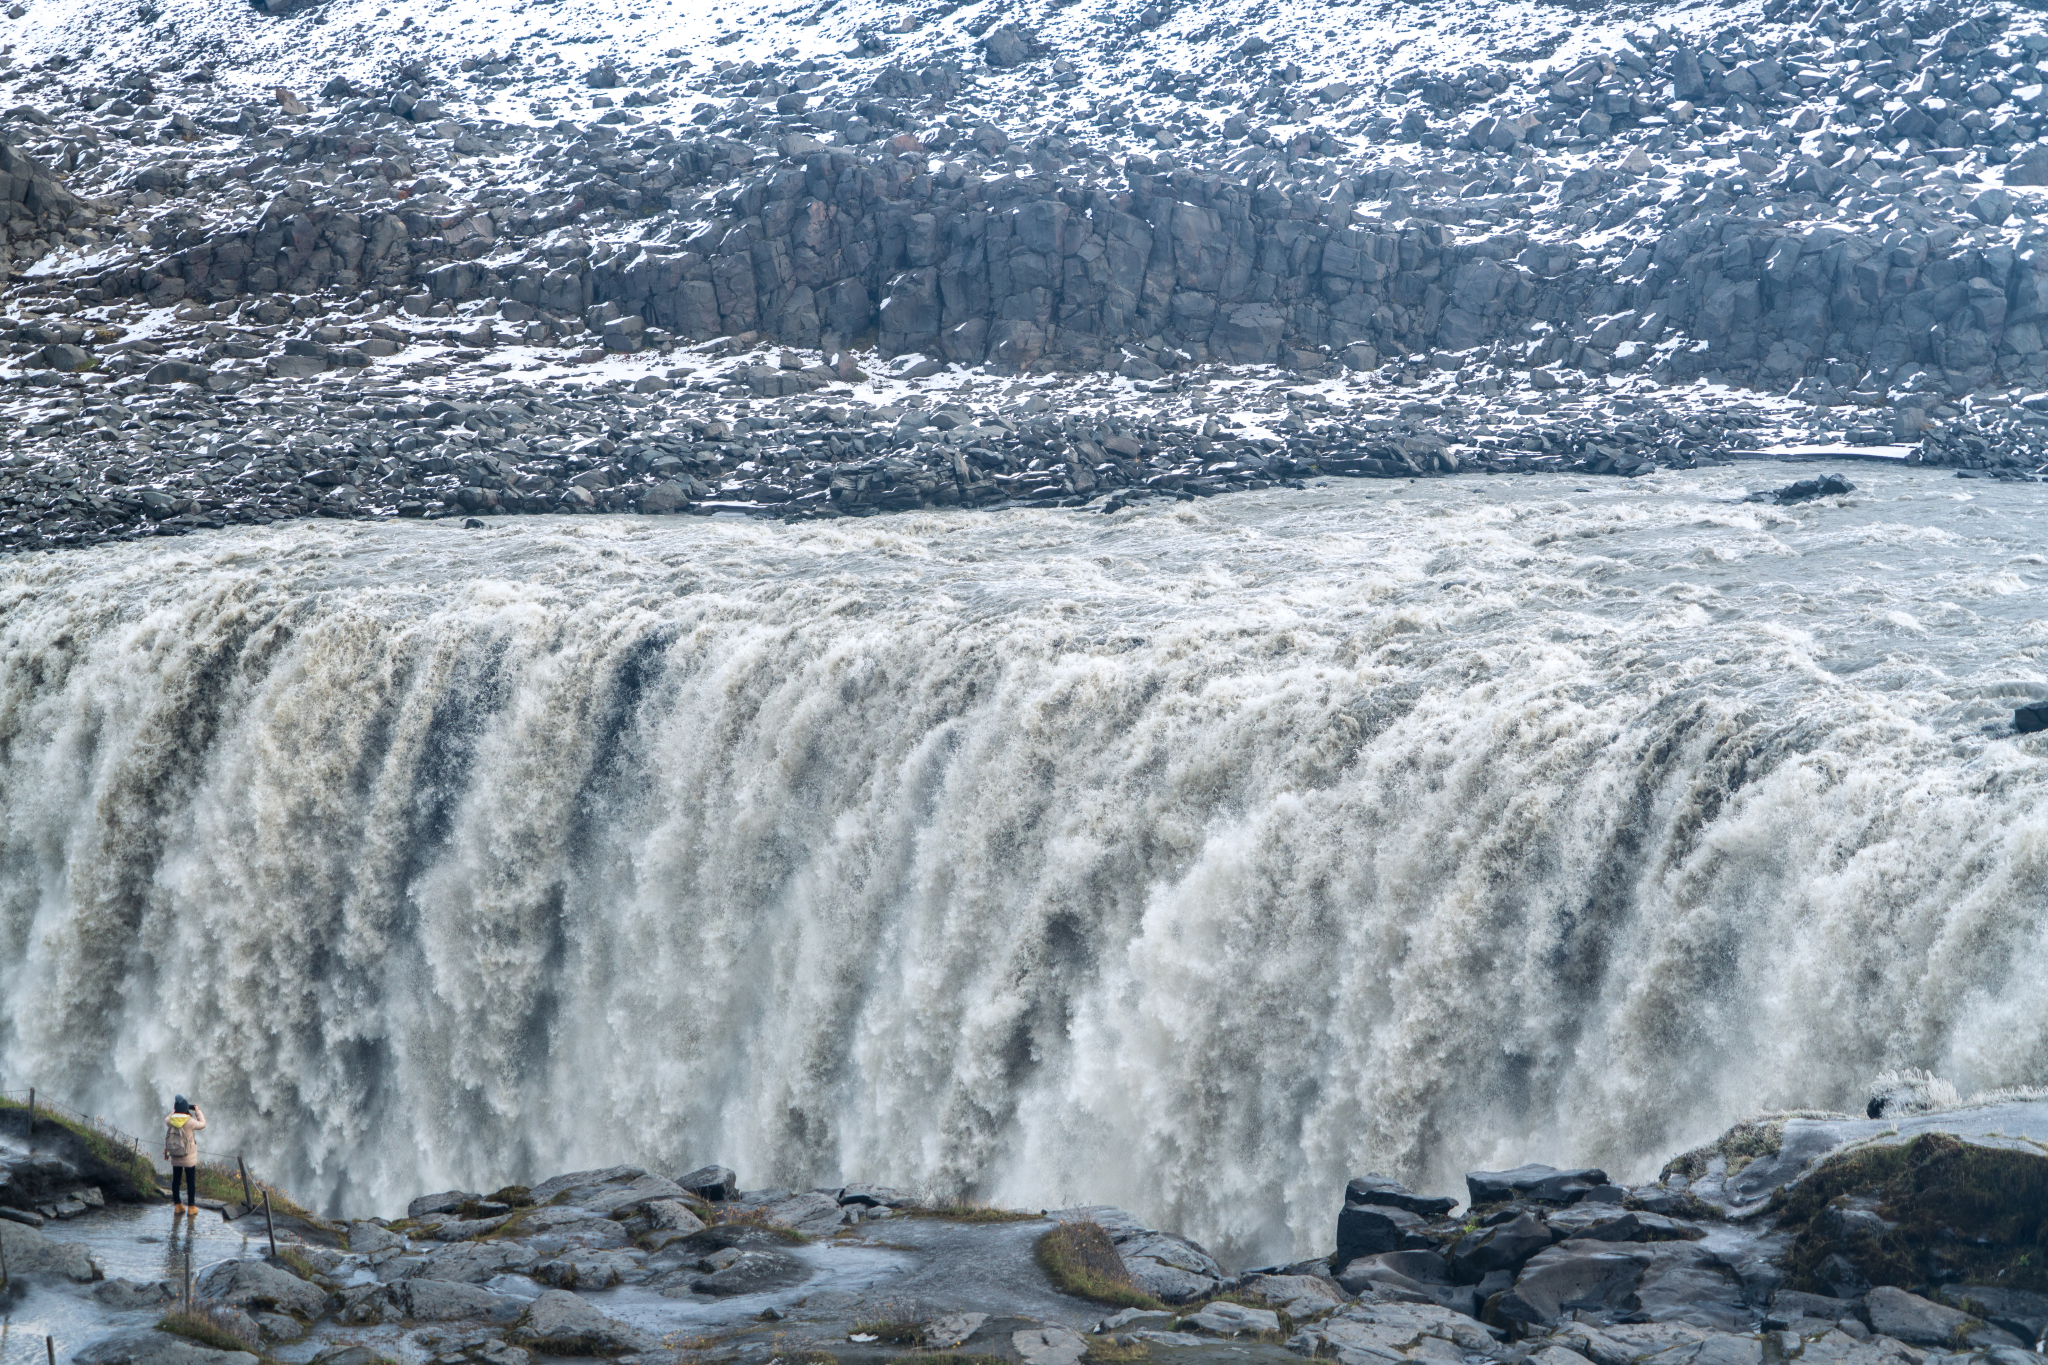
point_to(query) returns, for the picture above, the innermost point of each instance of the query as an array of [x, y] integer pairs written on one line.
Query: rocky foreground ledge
[[1909, 1240]]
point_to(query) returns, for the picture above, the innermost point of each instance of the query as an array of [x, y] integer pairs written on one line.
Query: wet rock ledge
[[1907, 1238]]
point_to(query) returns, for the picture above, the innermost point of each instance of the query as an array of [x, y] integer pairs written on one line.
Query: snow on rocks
[[951, 261]]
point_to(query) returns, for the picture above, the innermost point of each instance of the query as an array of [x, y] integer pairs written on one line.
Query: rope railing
[[231, 1171], [39, 1105]]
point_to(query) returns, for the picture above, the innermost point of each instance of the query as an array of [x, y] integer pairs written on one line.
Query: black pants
[[191, 1177]]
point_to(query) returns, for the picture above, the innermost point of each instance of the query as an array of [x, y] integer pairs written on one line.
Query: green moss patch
[[1959, 1212], [1080, 1259], [206, 1328]]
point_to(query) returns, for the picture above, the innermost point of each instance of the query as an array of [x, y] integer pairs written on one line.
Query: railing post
[[248, 1199], [269, 1225]]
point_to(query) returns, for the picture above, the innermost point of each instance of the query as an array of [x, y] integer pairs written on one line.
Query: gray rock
[[129, 1296], [1579, 1274], [1687, 1283], [1540, 1184], [1504, 1246], [1367, 1229], [1912, 1319], [147, 1346], [446, 1202], [450, 1301], [2018, 1311], [1608, 1222], [277, 1327], [1048, 1346], [176, 372], [475, 1262], [562, 1324], [1009, 46], [66, 358], [814, 1215], [575, 1186], [30, 1252], [260, 1286], [367, 1239], [948, 1331], [1289, 1289], [1224, 1319], [752, 1270], [672, 1215], [1377, 1189]]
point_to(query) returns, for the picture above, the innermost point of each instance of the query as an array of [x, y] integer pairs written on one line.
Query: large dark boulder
[[1367, 1229], [1574, 1275], [714, 1183], [1010, 46], [1542, 1184], [1504, 1246], [1377, 1189]]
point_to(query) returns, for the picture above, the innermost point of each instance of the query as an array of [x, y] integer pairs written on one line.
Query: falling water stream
[[1190, 859]]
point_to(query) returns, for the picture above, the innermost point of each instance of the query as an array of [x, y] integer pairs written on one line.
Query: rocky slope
[[1910, 1238], [992, 255]]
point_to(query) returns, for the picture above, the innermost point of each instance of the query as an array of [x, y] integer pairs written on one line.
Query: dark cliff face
[[831, 247]]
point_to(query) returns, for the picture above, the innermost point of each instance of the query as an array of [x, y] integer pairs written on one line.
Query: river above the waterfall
[[1190, 859]]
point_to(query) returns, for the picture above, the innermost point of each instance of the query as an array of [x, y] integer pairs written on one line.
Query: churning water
[[1191, 859]]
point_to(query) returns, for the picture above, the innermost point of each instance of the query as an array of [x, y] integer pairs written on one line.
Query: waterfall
[[1192, 863]]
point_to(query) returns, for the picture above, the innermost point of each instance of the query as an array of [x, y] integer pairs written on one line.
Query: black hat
[[182, 1105]]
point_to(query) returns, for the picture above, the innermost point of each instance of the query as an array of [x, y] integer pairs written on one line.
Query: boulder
[[1009, 46], [475, 1262], [1503, 1246], [1687, 1283], [1387, 1332], [132, 1296], [2028, 168], [752, 1270], [258, 1286], [30, 1252], [2018, 1311], [577, 1187], [1290, 1289], [449, 1301], [147, 1346], [445, 1202], [65, 358], [1909, 1318], [1048, 1346], [672, 1215], [1224, 1319], [1572, 1275], [813, 1215], [877, 1196], [559, 1323], [368, 1239], [1605, 1222], [1377, 1189], [1540, 1184], [2030, 719], [1367, 1229], [1412, 1271]]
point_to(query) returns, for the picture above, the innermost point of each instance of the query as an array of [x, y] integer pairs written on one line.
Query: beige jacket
[[186, 1126]]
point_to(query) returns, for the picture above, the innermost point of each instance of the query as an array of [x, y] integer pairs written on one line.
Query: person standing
[[181, 1149]]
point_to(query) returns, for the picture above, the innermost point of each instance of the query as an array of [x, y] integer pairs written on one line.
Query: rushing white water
[[1192, 859]]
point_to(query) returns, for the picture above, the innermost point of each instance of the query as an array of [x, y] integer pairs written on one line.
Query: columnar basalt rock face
[[830, 246]]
